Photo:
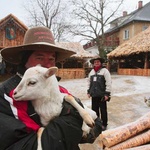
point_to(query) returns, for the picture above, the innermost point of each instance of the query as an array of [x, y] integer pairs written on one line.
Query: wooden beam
[[146, 61]]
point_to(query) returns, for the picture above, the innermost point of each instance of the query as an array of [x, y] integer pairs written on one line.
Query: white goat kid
[[40, 86]]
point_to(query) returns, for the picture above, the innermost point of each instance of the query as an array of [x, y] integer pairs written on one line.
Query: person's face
[[45, 58], [97, 63]]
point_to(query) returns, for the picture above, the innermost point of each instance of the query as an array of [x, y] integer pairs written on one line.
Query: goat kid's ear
[[51, 71]]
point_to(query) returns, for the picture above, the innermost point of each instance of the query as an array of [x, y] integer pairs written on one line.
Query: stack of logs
[[131, 136]]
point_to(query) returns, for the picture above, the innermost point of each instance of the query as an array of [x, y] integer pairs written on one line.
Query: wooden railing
[[138, 72], [71, 73]]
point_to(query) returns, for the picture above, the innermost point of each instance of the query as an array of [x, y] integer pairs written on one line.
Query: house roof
[[11, 18], [76, 47], [139, 43], [141, 14]]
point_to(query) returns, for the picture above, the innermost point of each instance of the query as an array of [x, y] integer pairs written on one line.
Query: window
[[126, 34]]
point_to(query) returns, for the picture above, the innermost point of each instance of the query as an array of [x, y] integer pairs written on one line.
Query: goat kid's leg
[[83, 113], [39, 134], [86, 129]]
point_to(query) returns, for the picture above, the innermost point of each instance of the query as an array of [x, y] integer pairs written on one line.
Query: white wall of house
[[93, 50]]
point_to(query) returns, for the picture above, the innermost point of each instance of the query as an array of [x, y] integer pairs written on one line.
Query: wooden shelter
[[133, 56], [76, 66], [81, 55]]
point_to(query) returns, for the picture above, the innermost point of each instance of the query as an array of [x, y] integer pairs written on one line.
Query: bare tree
[[93, 16], [49, 13]]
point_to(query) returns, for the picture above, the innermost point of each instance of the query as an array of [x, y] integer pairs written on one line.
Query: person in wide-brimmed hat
[[99, 88], [97, 58], [19, 121]]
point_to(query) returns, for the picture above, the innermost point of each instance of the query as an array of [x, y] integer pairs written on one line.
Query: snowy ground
[[122, 86], [127, 102]]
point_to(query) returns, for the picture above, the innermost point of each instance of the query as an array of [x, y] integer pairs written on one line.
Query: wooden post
[[118, 67], [146, 61], [108, 64], [62, 64]]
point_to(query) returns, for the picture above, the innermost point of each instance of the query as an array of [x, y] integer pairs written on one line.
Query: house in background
[[129, 25], [12, 32], [124, 28]]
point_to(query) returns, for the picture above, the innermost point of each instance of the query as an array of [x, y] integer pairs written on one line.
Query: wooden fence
[[138, 72], [71, 73]]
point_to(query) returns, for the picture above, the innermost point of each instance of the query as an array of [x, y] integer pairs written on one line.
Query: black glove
[[103, 99], [94, 132]]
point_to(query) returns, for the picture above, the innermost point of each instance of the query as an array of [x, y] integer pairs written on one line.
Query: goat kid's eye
[[31, 83]]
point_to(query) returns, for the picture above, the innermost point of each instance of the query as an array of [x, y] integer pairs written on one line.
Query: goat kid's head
[[35, 83]]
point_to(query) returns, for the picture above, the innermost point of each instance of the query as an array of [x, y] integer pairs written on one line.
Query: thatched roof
[[139, 43], [76, 47]]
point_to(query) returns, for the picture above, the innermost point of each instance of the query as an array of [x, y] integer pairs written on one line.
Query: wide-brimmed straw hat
[[97, 58], [37, 38]]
